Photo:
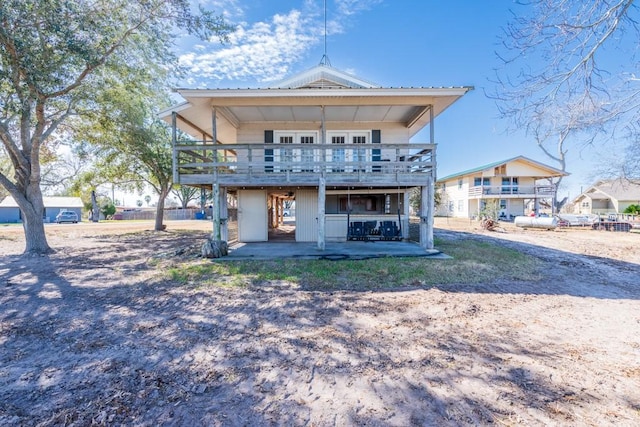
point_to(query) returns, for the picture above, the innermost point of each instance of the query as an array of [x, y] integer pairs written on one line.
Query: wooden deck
[[374, 165]]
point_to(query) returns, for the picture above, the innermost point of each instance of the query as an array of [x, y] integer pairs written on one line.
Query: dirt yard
[[92, 335]]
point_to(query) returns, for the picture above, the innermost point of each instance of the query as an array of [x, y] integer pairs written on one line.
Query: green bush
[[632, 209], [107, 209]]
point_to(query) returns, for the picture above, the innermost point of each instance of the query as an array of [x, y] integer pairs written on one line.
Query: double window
[[349, 159], [296, 159], [347, 156]]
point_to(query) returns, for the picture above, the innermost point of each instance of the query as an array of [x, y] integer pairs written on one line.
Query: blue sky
[[392, 43]]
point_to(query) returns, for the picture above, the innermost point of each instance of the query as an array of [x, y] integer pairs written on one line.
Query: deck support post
[[215, 187], [174, 143], [426, 215], [322, 190], [217, 232], [224, 215]]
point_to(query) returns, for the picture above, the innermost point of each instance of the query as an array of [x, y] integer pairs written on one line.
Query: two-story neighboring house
[[512, 186], [609, 196], [336, 144]]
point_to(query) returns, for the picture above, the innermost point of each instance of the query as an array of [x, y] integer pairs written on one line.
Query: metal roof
[[49, 202], [616, 189]]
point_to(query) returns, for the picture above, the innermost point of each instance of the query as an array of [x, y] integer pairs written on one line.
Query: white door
[[306, 215], [252, 216]]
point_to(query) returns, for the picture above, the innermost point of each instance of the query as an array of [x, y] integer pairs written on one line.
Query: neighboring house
[[9, 211], [513, 187], [604, 197], [336, 144]]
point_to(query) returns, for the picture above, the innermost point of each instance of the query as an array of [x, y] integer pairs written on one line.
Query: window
[[503, 204], [338, 156], [500, 170], [460, 205], [478, 181], [307, 155], [359, 155], [509, 185], [459, 184], [585, 204], [359, 204], [286, 155], [346, 159], [450, 206], [295, 160]]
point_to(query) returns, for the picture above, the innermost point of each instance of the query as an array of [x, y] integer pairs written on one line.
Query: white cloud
[[352, 7], [265, 51]]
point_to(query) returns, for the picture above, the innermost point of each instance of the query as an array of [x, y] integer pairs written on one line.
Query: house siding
[[9, 215]]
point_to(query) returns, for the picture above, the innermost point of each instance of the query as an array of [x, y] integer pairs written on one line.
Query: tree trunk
[[164, 192], [32, 208]]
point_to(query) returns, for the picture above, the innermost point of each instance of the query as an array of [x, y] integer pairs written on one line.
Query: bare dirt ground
[[92, 335]]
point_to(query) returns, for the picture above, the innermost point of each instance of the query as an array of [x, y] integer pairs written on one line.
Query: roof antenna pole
[[325, 58]]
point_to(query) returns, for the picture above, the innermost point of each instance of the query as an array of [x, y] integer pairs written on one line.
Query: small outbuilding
[[10, 212]]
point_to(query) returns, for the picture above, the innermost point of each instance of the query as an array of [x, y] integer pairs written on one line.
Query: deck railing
[[237, 164], [511, 190]]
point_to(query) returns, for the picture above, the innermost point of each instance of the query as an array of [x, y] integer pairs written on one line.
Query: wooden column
[[215, 215], [426, 214], [322, 187], [321, 202], [431, 126], [224, 215], [431, 209], [174, 141], [406, 222]]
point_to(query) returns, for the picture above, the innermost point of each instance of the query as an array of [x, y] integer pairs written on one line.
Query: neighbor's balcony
[[511, 191], [376, 165]]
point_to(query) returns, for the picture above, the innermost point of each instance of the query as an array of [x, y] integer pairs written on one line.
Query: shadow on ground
[[94, 337]]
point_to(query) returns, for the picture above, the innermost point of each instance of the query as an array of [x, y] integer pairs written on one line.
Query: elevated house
[[512, 187], [340, 146], [607, 197]]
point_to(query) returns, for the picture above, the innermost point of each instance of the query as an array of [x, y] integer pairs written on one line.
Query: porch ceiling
[[236, 107]]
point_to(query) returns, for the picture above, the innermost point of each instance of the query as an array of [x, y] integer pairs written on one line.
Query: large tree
[[55, 56], [186, 194], [129, 142], [570, 72]]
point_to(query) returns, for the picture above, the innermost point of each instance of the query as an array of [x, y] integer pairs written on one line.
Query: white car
[[67, 216]]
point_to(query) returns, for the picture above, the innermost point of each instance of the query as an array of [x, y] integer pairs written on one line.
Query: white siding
[[524, 169], [456, 196]]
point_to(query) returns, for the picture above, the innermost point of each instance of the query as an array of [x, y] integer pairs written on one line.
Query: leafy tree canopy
[[56, 56]]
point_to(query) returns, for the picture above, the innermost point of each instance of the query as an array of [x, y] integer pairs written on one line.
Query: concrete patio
[[355, 250]]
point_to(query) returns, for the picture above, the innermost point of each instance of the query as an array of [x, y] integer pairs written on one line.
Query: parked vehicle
[[67, 216]]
